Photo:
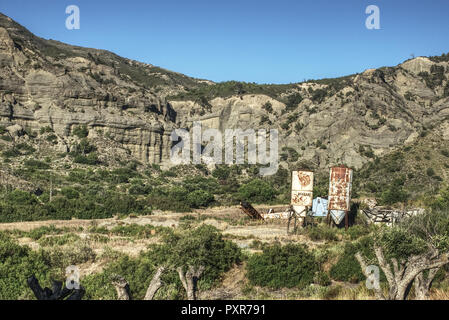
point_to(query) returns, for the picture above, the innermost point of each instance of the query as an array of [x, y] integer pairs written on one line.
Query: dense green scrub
[[101, 193]]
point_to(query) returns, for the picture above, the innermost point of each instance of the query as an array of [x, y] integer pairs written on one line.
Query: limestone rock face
[[43, 86], [129, 105], [378, 110]]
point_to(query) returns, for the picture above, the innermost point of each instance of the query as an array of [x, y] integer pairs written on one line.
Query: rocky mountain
[[130, 108]]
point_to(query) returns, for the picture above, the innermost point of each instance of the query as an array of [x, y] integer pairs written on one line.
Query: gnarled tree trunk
[[123, 291], [423, 284], [58, 292], [122, 288], [401, 276], [155, 284], [189, 280]]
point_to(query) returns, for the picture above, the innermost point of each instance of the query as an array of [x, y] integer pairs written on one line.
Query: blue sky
[[260, 41]]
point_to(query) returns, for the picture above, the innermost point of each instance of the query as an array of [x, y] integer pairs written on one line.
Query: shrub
[[17, 263], [201, 246], [393, 194], [47, 129], [199, 198], [282, 266], [38, 233], [11, 153], [322, 278], [221, 172], [139, 189], [81, 131], [35, 164], [72, 255], [58, 240], [268, 107], [292, 101], [70, 193], [90, 159], [347, 267], [358, 231], [138, 231], [257, 191], [321, 232]]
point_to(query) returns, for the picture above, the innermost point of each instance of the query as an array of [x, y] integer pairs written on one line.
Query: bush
[[17, 263], [35, 164], [282, 266], [74, 254], [392, 195], [221, 172], [321, 232], [199, 198], [430, 172], [137, 231], [292, 101], [347, 267], [322, 279], [358, 231], [70, 193], [38, 233], [257, 191], [47, 129], [139, 189], [201, 246], [90, 159], [81, 131]]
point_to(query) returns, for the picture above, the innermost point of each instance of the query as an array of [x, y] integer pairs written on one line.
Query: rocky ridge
[[131, 106]]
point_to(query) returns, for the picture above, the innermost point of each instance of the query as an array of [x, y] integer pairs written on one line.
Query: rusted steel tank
[[302, 190], [340, 186]]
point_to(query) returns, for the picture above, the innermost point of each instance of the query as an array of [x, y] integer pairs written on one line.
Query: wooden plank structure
[[249, 210], [388, 215]]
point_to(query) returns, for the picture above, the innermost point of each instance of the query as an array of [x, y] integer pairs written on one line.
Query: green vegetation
[[200, 246], [229, 88], [347, 267], [257, 191], [435, 77], [412, 173], [80, 131], [282, 266]]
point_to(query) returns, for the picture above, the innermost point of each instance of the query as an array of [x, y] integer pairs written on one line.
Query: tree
[[58, 291], [200, 252], [411, 252], [123, 290], [257, 191], [189, 279]]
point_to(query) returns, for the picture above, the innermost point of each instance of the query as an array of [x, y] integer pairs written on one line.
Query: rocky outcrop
[[44, 83], [39, 91]]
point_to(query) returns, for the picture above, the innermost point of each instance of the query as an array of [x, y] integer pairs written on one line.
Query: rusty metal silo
[[302, 191], [340, 186]]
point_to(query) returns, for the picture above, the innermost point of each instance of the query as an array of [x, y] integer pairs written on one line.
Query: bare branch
[[155, 284], [384, 265], [377, 291]]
